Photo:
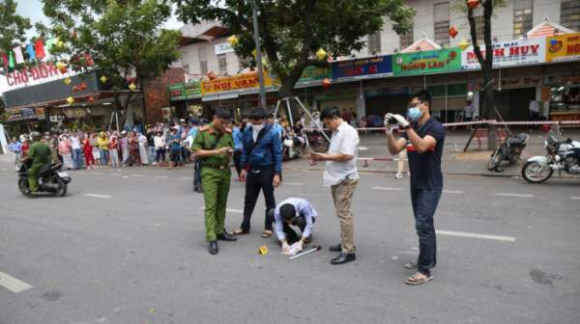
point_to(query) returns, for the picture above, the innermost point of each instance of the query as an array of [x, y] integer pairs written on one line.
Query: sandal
[[411, 265], [267, 233], [240, 231], [414, 281]]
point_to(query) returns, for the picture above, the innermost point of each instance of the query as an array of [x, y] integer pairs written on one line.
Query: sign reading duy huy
[[563, 48], [508, 54]]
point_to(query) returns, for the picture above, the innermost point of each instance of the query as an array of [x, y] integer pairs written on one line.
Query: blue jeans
[[197, 174], [77, 158], [424, 205], [104, 158]]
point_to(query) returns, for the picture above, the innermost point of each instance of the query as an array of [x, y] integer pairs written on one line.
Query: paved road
[[128, 247]]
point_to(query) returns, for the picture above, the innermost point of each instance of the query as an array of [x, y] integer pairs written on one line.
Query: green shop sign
[[428, 62], [183, 91], [314, 73]]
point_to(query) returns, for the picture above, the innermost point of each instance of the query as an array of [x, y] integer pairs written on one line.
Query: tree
[[122, 37], [485, 60], [13, 27], [292, 31]]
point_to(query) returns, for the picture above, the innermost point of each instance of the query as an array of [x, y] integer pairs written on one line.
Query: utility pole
[[259, 55]]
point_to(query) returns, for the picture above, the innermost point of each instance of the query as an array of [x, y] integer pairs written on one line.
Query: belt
[[261, 169]]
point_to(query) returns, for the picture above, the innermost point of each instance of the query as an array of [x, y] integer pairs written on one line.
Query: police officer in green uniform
[[214, 145], [40, 154]]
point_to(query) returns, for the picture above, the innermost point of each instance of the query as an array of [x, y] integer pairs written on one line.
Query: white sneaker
[[399, 176]]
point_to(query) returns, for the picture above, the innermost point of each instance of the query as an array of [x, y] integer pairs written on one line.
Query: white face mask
[[257, 128]]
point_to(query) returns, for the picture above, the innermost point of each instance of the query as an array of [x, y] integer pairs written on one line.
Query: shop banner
[[234, 83], [368, 68], [563, 48], [508, 54], [182, 91], [439, 61], [313, 74], [16, 114], [223, 48]]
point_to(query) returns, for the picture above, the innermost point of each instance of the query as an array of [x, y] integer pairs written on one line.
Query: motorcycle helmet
[[35, 136]]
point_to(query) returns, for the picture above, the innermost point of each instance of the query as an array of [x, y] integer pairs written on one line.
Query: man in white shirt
[[534, 110], [341, 175], [294, 212], [75, 142]]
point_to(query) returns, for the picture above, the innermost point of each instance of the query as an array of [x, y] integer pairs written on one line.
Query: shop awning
[[423, 44], [548, 28]]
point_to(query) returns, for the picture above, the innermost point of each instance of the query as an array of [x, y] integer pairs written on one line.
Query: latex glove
[[402, 121], [388, 125], [299, 246], [285, 247]]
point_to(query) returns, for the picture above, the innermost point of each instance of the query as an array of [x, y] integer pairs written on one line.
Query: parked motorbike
[[291, 147], [510, 150], [51, 179], [561, 155]]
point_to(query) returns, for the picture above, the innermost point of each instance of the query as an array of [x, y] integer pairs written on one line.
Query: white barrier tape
[[381, 159]]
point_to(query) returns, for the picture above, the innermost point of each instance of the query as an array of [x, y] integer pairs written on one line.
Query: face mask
[[257, 128], [414, 113]]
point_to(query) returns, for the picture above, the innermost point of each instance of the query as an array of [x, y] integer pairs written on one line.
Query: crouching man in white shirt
[[294, 212]]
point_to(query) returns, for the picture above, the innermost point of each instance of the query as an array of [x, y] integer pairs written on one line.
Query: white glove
[[285, 247], [402, 121], [388, 126], [299, 246]]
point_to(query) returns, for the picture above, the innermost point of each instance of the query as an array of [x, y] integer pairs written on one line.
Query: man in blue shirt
[[261, 167], [15, 147], [197, 163], [238, 146], [423, 137], [294, 212]]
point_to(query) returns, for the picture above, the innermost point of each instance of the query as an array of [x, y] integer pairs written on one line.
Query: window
[[523, 17], [186, 68], [441, 23], [375, 43], [203, 60], [223, 64], [406, 39], [570, 14]]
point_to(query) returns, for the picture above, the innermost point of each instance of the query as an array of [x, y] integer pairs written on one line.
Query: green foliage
[[123, 37], [13, 27], [292, 31]]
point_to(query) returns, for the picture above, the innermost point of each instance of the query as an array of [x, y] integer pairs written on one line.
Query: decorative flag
[[103, 79], [40, 52], [5, 60], [89, 60], [453, 32], [70, 100], [18, 52], [30, 50], [11, 61]]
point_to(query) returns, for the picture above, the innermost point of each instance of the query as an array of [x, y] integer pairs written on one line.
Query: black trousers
[[238, 161], [255, 182]]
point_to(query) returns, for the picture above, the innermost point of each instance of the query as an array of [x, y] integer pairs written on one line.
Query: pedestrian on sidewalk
[[341, 174], [423, 137], [103, 143], [214, 145], [64, 149], [143, 148], [261, 163], [174, 147], [75, 142], [15, 147], [88, 152], [159, 142], [124, 148], [96, 152], [114, 151]]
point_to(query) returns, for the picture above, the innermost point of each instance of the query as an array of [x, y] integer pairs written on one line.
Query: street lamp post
[[259, 56]]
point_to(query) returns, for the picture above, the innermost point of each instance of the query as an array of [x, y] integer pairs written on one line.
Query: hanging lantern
[[132, 86], [90, 99], [67, 81], [233, 40], [472, 4], [103, 79], [75, 89], [63, 68], [83, 86], [70, 100], [326, 83], [211, 75], [463, 44], [255, 53], [59, 65], [320, 54], [453, 32], [59, 43]]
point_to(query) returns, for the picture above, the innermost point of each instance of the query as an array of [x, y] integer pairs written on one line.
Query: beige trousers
[[342, 196]]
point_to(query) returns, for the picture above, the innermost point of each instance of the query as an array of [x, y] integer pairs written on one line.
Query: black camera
[[392, 121]]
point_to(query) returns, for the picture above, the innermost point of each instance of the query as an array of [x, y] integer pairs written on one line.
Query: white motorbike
[[562, 155]]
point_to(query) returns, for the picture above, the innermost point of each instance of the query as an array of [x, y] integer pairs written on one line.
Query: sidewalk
[[454, 161]]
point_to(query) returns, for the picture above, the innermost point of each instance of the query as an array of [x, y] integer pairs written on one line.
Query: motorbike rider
[[40, 154]]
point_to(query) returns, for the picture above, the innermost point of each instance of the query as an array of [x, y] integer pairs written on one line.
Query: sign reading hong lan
[[438, 61]]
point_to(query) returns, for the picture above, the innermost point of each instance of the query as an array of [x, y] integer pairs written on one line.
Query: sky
[[33, 9]]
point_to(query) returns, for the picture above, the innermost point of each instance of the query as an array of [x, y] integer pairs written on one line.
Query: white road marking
[[476, 235], [575, 197], [455, 192], [161, 177], [293, 183], [13, 284], [363, 148], [98, 196], [502, 194], [125, 177], [230, 210], [137, 175], [387, 188]]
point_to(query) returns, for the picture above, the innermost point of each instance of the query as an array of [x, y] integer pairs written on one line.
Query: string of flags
[[34, 52]]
